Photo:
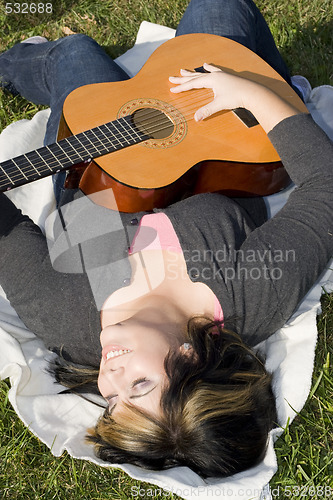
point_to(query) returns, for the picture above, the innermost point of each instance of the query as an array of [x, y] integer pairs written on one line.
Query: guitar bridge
[[246, 117]]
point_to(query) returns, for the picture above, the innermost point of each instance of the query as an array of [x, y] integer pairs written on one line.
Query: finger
[[180, 79], [206, 111], [187, 72], [183, 79], [180, 82], [211, 68], [190, 83], [202, 113]]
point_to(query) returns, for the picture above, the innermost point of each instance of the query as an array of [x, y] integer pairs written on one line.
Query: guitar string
[[53, 163], [50, 158], [161, 124], [153, 129], [187, 112]]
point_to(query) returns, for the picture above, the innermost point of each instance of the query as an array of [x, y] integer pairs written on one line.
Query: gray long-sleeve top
[[259, 270]]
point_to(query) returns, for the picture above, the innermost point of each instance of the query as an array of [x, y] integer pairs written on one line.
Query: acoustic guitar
[[141, 140]]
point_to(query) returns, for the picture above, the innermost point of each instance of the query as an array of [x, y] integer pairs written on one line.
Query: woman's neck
[[159, 279]]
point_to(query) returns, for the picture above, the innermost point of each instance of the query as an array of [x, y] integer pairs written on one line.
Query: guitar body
[[221, 153]]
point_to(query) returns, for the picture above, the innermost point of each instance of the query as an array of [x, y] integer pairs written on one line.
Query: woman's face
[[132, 364]]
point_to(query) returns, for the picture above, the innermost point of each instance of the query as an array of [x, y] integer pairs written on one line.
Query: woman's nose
[[116, 369], [115, 377]]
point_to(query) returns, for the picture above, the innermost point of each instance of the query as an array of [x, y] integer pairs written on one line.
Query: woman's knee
[[76, 43], [219, 17]]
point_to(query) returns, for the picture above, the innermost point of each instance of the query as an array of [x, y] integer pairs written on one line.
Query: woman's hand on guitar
[[232, 91], [229, 90]]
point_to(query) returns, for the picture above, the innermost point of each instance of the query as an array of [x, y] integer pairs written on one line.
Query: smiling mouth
[[113, 354], [114, 351]]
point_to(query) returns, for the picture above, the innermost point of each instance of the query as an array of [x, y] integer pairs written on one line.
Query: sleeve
[[10, 216], [280, 261], [57, 307]]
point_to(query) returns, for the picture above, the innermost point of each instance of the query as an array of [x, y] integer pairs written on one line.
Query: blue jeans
[[46, 73]]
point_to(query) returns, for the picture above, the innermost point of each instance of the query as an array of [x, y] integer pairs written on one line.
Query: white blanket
[[60, 421]]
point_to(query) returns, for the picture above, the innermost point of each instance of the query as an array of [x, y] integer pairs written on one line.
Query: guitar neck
[[75, 149]]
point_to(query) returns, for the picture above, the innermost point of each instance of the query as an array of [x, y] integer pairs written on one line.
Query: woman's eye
[[112, 402], [141, 385], [138, 388]]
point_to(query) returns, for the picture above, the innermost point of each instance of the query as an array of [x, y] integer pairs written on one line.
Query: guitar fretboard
[[75, 149]]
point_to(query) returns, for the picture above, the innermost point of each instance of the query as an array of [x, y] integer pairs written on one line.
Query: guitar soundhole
[[153, 122]]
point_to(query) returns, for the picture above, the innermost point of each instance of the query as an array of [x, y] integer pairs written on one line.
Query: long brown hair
[[218, 408]]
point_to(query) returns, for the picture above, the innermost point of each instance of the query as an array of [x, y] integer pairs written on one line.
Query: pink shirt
[[164, 238]]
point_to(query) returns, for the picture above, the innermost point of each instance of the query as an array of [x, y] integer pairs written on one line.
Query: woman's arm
[[232, 92], [279, 261], [58, 307]]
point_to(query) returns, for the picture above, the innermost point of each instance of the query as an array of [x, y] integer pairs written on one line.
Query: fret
[[27, 162], [61, 155], [122, 134], [54, 156], [135, 131], [64, 159], [62, 147], [129, 129], [109, 127], [78, 139], [90, 143], [142, 136], [45, 163], [102, 136], [102, 143], [23, 167], [106, 131], [20, 169], [6, 175], [37, 162], [118, 134], [72, 153]]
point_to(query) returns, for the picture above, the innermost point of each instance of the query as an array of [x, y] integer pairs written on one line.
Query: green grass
[[303, 31]]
